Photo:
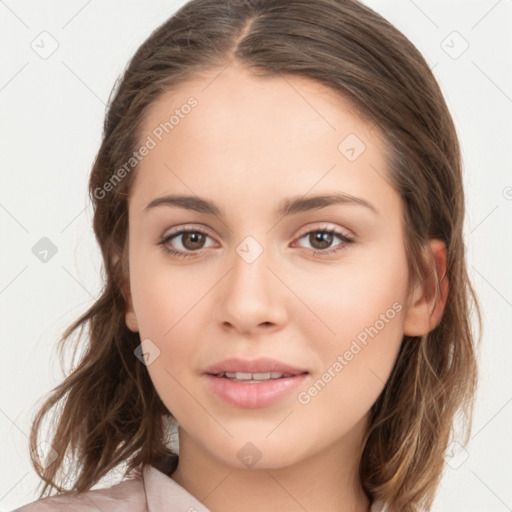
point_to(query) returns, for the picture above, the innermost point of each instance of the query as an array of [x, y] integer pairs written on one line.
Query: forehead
[[289, 132], [237, 95]]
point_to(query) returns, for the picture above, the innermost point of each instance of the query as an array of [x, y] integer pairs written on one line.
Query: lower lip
[[253, 395]]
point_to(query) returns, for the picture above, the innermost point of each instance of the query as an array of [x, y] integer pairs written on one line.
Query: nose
[[251, 296]]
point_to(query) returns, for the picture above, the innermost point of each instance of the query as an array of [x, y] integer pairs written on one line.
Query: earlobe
[[428, 298], [130, 317], [131, 321]]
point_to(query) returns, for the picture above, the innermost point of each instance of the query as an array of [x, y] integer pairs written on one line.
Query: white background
[[52, 113]]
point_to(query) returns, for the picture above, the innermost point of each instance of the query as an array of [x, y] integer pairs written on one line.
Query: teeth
[[240, 376], [261, 376], [254, 376]]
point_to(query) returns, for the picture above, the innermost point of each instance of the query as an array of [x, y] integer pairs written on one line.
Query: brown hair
[[111, 413]]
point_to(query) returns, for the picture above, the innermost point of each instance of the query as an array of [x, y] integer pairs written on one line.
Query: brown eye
[[192, 240], [320, 239]]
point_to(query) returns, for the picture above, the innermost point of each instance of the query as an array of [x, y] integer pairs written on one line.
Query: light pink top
[[153, 492]]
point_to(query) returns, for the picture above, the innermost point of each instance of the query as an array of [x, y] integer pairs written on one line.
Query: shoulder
[[126, 495]]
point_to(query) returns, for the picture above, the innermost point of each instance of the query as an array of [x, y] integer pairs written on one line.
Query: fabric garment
[[150, 491]]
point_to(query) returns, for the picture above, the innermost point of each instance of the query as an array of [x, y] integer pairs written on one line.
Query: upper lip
[[260, 365]]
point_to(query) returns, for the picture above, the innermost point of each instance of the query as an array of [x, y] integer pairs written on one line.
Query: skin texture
[[250, 143]]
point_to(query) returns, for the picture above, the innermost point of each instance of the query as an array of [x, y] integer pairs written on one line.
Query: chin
[[260, 454]]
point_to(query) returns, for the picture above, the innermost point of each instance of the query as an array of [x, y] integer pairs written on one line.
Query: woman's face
[[263, 277]]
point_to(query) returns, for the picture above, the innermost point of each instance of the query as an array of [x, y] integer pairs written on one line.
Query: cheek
[[169, 305], [345, 299], [173, 371], [165, 295], [357, 329]]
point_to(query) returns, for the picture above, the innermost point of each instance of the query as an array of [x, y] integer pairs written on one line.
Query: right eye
[[193, 238]]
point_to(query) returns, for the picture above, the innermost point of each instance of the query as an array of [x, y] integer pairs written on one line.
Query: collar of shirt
[[162, 492]]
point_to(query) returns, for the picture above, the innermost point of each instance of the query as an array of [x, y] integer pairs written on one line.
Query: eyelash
[[180, 254]]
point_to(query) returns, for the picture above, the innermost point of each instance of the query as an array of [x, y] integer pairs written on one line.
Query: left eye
[[324, 238], [193, 240]]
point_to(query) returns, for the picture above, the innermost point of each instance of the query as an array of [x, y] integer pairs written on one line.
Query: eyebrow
[[290, 206]]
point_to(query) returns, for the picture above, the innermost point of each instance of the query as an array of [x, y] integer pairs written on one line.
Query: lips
[[264, 385], [255, 366]]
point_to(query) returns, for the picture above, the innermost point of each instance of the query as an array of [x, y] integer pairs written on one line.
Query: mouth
[[252, 378], [253, 383]]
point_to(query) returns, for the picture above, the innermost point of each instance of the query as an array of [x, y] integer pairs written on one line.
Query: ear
[[428, 299], [130, 317]]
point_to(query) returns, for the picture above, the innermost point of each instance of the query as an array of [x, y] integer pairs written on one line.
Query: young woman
[[278, 200]]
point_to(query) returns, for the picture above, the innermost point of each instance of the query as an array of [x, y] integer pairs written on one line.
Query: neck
[[327, 481]]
